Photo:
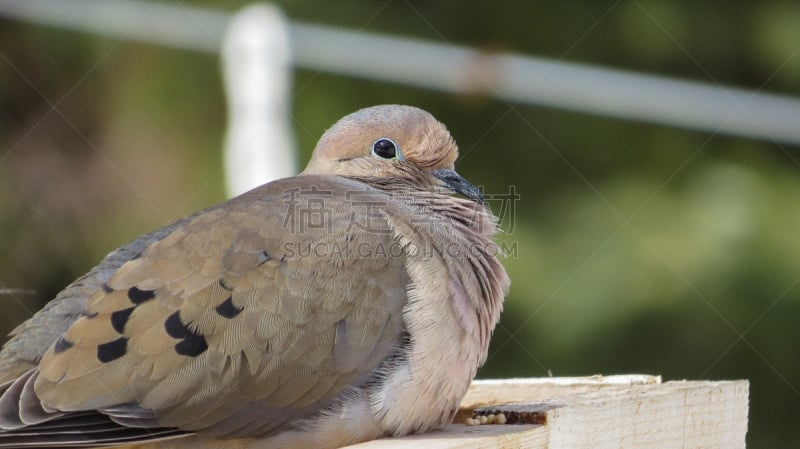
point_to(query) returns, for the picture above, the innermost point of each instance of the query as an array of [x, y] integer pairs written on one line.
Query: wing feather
[[225, 326]]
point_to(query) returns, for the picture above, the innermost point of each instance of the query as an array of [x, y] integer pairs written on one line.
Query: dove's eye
[[386, 148]]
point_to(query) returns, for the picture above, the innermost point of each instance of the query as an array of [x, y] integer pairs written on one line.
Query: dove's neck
[[454, 303], [456, 233]]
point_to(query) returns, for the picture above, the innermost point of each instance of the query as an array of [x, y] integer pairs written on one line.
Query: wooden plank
[[483, 393], [684, 414]]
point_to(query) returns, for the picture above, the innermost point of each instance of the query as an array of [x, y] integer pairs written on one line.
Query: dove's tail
[[26, 423]]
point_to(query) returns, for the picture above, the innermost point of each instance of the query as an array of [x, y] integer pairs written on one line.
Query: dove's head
[[391, 143]]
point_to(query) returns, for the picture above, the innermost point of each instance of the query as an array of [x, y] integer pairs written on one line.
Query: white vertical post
[[257, 70]]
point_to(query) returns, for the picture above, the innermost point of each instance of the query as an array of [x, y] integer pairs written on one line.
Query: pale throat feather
[[472, 294]]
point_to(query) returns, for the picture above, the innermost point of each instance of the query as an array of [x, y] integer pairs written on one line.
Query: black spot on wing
[[107, 288], [138, 296], [62, 344], [120, 318], [112, 350], [191, 344], [175, 327], [227, 309]]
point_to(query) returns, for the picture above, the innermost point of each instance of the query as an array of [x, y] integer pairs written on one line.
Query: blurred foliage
[[639, 248]]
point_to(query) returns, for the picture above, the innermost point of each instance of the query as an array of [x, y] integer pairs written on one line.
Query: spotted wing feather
[[238, 320]]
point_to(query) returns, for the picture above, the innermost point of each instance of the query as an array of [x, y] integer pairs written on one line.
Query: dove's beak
[[455, 182]]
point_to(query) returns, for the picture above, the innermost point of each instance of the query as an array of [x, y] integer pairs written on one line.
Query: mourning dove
[[351, 302]]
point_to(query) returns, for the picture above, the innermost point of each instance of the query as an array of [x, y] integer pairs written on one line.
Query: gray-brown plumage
[[348, 303]]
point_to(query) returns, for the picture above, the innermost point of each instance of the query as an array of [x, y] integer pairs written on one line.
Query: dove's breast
[[454, 301]]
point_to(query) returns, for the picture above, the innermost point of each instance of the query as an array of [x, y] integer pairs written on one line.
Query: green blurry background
[[639, 248]]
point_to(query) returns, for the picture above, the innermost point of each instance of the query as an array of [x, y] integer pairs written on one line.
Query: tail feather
[[19, 406], [9, 404], [31, 410], [27, 423], [82, 430], [85, 437]]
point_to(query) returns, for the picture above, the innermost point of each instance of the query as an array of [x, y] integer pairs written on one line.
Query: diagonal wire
[[708, 74], [12, 292], [513, 107], [751, 326], [327, 63], [627, 220], [740, 335], [54, 107]]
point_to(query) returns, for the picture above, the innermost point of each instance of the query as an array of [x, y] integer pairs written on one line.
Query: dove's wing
[[241, 318], [31, 339]]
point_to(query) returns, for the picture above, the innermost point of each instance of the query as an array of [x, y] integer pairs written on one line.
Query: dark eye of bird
[[385, 148]]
